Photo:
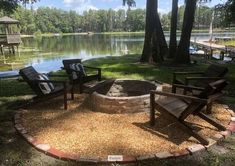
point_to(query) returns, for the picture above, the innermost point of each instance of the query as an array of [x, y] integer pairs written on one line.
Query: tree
[[150, 24], [130, 3], [228, 10], [9, 6], [173, 32], [182, 55]]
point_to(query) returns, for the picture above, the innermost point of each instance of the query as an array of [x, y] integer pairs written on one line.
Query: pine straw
[[86, 133]]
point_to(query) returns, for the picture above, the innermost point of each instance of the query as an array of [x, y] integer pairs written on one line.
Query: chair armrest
[[73, 70], [64, 83], [202, 78], [188, 87], [49, 81], [53, 75], [95, 68], [56, 75], [185, 73], [178, 96]]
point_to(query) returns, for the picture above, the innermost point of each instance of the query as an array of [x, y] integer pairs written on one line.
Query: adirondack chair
[[181, 106], [32, 77], [200, 79], [82, 78]]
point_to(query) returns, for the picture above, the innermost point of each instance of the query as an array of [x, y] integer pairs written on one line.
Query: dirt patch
[[86, 133]]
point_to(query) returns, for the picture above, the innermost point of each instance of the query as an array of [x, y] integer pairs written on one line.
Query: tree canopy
[[8, 6], [227, 11]]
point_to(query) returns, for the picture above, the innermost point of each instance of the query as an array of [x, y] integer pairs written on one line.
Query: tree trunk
[[149, 30], [161, 39], [155, 46], [173, 33], [182, 55]]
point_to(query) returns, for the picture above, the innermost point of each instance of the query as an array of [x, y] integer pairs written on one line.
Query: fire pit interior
[[122, 96]]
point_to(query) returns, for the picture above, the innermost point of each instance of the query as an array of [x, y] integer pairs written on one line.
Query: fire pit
[[122, 96]]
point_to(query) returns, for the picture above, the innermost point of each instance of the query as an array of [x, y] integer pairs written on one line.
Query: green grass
[[16, 151], [227, 43], [126, 66]]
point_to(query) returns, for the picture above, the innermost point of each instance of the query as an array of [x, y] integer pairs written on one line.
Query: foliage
[[130, 3], [227, 11], [8, 6], [53, 20]]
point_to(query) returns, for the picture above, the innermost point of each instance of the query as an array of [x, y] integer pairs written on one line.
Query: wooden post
[[152, 109], [13, 49], [211, 53], [2, 49]]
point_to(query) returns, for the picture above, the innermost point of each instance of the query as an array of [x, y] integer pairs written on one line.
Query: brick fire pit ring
[[122, 96]]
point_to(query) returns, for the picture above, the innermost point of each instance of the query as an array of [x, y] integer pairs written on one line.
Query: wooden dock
[[209, 48], [208, 45]]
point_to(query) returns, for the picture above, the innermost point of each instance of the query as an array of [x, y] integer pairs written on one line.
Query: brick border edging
[[48, 150]]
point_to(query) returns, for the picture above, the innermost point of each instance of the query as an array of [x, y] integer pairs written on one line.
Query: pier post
[[1, 50]]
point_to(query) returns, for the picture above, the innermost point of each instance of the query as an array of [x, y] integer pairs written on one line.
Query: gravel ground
[[81, 131]]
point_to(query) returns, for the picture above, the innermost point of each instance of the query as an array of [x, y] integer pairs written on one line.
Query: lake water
[[46, 53]]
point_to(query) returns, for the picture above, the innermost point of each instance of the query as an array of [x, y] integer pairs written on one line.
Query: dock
[[209, 48]]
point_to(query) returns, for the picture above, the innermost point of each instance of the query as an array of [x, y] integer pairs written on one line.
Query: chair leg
[[209, 108], [211, 121], [72, 92], [152, 109], [195, 135], [65, 99]]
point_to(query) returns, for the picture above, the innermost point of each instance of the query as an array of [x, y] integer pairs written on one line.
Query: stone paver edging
[[48, 150]]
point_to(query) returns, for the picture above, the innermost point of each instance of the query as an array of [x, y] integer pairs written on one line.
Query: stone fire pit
[[122, 96]]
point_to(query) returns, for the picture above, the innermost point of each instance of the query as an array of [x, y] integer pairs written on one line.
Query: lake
[[46, 53]]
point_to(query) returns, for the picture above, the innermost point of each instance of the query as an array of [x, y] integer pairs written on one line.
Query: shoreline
[[122, 33]]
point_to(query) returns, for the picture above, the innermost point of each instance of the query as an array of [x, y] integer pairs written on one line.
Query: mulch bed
[[95, 134]]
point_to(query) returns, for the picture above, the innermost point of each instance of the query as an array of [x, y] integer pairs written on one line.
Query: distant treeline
[[52, 20]]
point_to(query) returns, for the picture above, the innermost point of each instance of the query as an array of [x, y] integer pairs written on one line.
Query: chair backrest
[[67, 62], [29, 74], [215, 71], [212, 71], [210, 90]]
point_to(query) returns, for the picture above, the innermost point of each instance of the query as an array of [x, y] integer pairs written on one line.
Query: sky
[[82, 5]]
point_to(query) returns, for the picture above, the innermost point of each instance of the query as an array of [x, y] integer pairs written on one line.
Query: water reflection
[[46, 53]]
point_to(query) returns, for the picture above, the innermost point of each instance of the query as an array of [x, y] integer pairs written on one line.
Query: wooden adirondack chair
[[199, 79], [181, 106], [31, 76], [81, 77]]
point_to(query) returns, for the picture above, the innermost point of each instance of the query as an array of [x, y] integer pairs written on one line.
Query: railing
[[13, 39]]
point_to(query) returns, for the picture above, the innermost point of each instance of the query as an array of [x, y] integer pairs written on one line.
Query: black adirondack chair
[[181, 106], [31, 76], [81, 77], [199, 79]]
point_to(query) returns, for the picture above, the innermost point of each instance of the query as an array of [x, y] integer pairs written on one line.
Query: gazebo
[[9, 33]]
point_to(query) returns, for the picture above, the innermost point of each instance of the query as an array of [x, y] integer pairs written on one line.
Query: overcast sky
[[82, 5]]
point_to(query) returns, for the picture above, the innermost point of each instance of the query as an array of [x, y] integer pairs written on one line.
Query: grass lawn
[[15, 151], [228, 43]]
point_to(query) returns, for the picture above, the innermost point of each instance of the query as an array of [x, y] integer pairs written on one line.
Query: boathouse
[[9, 34]]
